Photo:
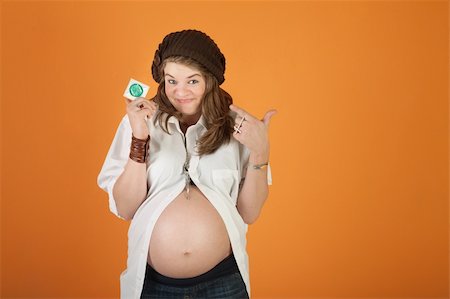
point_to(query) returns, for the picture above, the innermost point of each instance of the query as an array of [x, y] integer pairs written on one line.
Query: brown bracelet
[[139, 149]]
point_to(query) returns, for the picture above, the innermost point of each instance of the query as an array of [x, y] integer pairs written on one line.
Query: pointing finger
[[241, 112]]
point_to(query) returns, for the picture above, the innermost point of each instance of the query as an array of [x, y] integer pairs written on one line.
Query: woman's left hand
[[252, 132]]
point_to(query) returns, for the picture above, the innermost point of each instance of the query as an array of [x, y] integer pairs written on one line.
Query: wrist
[[258, 158], [141, 136], [258, 166], [139, 149]]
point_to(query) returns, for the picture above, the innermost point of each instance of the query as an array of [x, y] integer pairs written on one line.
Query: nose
[[181, 90]]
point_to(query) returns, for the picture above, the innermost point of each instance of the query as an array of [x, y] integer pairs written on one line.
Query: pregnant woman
[[190, 170]]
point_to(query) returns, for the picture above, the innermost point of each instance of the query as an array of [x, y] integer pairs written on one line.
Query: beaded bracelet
[[139, 149]]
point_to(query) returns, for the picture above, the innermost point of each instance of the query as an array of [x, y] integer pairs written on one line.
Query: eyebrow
[[187, 77]]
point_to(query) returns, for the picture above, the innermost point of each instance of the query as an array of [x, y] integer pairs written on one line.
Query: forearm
[[130, 189], [254, 190]]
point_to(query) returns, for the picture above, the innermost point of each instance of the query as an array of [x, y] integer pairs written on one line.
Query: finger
[[144, 104], [146, 111], [241, 112], [242, 130], [147, 103], [137, 108], [152, 111], [141, 99], [239, 121], [132, 104], [153, 103], [268, 116], [238, 110], [237, 136]]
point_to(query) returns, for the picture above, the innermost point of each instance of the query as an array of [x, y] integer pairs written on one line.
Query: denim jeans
[[230, 286]]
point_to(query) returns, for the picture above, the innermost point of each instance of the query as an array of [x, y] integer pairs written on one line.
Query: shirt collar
[[201, 121]]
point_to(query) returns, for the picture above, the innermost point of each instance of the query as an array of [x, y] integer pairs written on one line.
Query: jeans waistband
[[225, 267]]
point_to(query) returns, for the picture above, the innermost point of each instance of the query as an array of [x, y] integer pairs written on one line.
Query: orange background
[[359, 202]]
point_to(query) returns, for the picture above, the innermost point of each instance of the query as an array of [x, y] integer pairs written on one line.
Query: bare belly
[[189, 237]]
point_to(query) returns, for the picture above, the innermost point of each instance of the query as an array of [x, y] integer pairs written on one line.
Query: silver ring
[[236, 128]]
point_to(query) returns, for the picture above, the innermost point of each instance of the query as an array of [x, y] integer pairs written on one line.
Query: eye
[[171, 81], [193, 81]]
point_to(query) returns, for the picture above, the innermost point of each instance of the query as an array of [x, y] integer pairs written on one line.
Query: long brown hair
[[214, 108]]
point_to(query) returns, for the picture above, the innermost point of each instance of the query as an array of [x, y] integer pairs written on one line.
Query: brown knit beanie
[[193, 44]]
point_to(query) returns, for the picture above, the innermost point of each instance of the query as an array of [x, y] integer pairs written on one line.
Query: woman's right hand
[[137, 110]]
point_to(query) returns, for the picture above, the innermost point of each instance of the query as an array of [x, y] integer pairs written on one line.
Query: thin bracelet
[[258, 166]]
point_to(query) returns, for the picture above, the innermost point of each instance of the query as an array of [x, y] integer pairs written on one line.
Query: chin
[[188, 111]]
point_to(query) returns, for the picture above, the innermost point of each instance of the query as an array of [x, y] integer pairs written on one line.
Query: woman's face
[[185, 87]]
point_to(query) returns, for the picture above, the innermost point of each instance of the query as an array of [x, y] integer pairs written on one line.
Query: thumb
[[268, 116]]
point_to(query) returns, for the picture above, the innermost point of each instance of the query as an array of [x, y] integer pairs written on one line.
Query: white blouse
[[217, 175]]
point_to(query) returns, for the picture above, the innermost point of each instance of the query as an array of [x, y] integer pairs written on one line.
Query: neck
[[189, 120]]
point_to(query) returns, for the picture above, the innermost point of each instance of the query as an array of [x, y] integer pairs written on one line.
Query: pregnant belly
[[189, 237]]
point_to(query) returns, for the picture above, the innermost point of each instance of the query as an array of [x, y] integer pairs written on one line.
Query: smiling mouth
[[184, 101]]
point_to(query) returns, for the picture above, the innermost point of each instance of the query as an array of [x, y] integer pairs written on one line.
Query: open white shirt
[[217, 175]]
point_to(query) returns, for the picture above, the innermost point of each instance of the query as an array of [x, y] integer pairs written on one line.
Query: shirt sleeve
[[245, 155], [115, 162]]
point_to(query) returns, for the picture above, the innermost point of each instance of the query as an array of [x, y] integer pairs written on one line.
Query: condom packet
[[135, 89]]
